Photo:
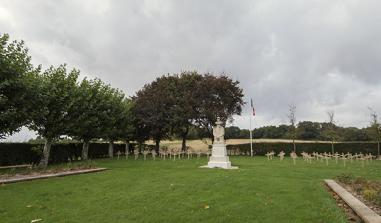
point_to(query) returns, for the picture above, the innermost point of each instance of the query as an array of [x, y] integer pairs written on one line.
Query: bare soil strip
[[368, 215], [20, 178]]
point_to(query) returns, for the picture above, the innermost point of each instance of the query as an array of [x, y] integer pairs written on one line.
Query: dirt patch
[[35, 171], [40, 175], [360, 195], [352, 217]]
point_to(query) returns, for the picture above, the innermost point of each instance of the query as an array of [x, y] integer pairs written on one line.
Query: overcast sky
[[318, 55]]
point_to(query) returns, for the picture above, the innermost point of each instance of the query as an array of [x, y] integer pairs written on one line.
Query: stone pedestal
[[219, 157]]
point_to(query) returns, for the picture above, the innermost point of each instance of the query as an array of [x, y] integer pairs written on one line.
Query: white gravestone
[[219, 157]]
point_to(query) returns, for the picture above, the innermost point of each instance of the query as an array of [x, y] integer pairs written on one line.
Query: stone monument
[[219, 157]]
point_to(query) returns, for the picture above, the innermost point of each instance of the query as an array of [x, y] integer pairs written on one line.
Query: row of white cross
[[308, 157], [164, 154]]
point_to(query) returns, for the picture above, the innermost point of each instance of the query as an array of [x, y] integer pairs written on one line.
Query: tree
[[16, 90], [308, 130], [232, 132], [292, 119], [375, 129], [125, 128], [329, 131], [114, 112], [153, 108], [217, 96], [354, 134], [51, 120], [185, 109], [86, 112]]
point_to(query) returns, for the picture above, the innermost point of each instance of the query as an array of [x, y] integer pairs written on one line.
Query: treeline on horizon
[[305, 130]]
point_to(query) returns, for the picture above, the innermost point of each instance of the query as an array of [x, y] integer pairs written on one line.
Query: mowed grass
[[180, 191]]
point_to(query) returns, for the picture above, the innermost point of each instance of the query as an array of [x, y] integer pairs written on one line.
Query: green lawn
[[179, 191]]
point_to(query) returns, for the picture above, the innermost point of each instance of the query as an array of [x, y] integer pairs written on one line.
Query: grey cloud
[[319, 55]]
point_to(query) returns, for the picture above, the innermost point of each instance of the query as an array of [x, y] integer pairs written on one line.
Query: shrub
[[378, 198], [31, 153], [370, 194]]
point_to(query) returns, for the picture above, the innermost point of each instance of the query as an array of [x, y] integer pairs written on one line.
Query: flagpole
[[251, 139]]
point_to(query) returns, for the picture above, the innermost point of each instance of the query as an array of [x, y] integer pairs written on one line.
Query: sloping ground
[[180, 191]]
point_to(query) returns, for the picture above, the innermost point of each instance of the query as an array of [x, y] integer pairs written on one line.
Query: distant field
[[203, 144]]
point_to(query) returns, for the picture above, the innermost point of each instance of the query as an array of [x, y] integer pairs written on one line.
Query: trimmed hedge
[[342, 147], [22, 153]]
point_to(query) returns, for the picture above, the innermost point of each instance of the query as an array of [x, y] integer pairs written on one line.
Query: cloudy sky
[[319, 55]]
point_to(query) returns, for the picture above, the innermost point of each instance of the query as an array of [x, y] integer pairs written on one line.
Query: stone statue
[[218, 132], [219, 157]]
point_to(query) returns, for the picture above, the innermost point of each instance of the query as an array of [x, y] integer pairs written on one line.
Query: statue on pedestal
[[219, 157]]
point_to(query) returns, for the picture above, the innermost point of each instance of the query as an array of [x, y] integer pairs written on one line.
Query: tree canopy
[[16, 91]]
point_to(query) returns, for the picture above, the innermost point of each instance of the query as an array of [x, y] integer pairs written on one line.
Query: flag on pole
[[252, 106]]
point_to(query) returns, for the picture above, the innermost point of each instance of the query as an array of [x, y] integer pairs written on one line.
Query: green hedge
[[343, 147], [22, 153]]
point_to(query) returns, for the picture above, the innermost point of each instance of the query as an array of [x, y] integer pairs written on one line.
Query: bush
[[18, 153], [343, 147], [378, 198], [370, 194], [31, 153]]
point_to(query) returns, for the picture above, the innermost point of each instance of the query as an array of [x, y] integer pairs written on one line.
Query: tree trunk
[[184, 136], [157, 145], [378, 149], [293, 141], [127, 147], [333, 149], [85, 150], [111, 149], [140, 147], [45, 160]]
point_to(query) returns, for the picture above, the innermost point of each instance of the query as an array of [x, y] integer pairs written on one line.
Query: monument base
[[226, 166], [219, 158]]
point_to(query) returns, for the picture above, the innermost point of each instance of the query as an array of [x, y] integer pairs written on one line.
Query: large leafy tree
[[56, 87], [16, 90], [308, 130], [186, 106], [114, 112], [125, 130], [217, 96], [87, 112], [153, 108]]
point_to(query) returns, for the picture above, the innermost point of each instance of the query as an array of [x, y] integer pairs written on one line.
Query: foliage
[[115, 108], [154, 106], [308, 130], [56, 88], [87, 110], [263, 148], [16, 92], [173, 104], [22, 153], [186, 107], [218, 96], [369, 189], [51, 117]]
